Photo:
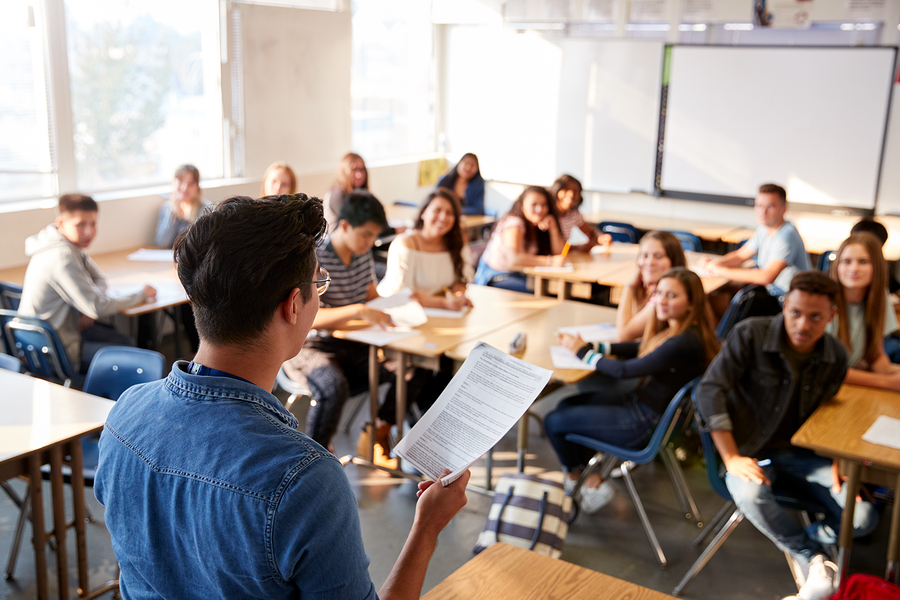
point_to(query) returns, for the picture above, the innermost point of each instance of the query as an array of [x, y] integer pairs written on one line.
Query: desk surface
[[38, 414], [836, 428], [504, 571], [541, 330]]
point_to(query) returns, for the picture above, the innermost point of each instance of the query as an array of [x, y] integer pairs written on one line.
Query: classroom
[[670, 115]]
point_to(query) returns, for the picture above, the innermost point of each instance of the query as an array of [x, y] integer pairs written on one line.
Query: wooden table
[[835, 430], [42, 423], [507, 572], [703, 229]]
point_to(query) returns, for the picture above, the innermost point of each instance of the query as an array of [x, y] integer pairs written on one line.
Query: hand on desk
[[149, 292], [456, 301], [573, 342], [375, 317]]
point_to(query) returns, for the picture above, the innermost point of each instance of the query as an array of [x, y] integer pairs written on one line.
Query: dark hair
[[69, 203], [453, 174], [240, 260], [185, 169], [774, 188], [362, 207], [815, 282], [870, 225], [344, 177], [566, 182], [532, 233], [453, 239]]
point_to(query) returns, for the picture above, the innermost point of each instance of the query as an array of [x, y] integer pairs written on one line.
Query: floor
[[747, 567]]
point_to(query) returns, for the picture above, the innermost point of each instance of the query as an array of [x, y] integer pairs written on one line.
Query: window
[[392, 89]]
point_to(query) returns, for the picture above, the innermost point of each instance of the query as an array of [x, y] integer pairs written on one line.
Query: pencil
[[565, 250]]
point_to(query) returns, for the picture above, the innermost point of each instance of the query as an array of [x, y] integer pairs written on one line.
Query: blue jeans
[[485, 275], [810, 476], [607, 415]]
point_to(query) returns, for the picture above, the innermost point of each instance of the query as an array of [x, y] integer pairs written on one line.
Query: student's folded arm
[[513, 242], [762, 276], [872, 379], [633, 327], [738, 257], [334, 318], [671, 354], [75, 283]]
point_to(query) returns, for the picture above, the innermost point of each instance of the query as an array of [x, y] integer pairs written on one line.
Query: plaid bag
[[528, 512]]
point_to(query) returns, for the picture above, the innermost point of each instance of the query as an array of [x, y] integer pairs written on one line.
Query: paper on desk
[[167, 292], [577, 237], [885, 431], [152, 255], [599, 332], [446, 313], [376, 336], [485, 398], [404, 311], [563, 358], [566, 268]]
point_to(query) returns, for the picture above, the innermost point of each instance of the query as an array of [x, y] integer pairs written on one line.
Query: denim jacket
[[749, 385], [211, 492]]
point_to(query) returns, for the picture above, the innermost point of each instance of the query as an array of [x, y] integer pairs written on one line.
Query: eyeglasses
[[323, 281]]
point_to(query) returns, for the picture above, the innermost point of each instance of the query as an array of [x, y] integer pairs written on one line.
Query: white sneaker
[[569, 485], [593, 499], [820, 581]]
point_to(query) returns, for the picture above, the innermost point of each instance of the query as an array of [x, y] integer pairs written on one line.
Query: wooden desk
[[702, 229], [835, 430], [620, 279], [42, 423], [504, 571]]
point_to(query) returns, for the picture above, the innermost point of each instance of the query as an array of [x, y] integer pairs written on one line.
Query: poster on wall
[[787, 14], [866, 10], [648, 11], [697, 11]]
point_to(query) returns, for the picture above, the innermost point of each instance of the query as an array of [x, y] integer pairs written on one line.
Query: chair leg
[[540, 423], [796, 571], [24, 505], [648, 529], [290, 401], [716, 522], [679, 482], [363, 399], [736, 517]]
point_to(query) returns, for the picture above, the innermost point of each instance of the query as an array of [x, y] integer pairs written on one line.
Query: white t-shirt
[[427, 272]]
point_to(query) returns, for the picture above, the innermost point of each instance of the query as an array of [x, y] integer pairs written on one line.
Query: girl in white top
[[864, 313], [432, 258]]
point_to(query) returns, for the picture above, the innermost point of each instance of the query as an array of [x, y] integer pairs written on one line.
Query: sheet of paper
[[376, 336], [567, 268], [563, 358], [577, 237], [485, 398], [445, 313], [404, 311], [599, 332], [885, 431], [152, 255], [167, 292]]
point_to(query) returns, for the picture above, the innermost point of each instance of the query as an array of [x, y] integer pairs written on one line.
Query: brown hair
[[282, 166], [656, 332], [874, 299], [69, 203], [674, 252], [774, 188], [344, 173], [565, 182], [453, 239], [533, 235]]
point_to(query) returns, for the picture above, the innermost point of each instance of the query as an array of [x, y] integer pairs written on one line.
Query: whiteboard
[[533, 106], [810, 119]]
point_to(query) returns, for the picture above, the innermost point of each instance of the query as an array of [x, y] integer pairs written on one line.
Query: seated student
[[184, 205], [351, 175], [659, 251], [431, 258], [677, 345], [527, 236], [567, 192], [864, 313], [776, 244], [279, 179], [210, 491], [770, 376], [64, 286], [465, 181]]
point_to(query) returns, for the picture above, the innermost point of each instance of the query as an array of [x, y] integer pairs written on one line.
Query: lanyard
[[198, 369]]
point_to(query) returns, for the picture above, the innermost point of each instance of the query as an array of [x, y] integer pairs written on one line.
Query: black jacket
[[750, 383]]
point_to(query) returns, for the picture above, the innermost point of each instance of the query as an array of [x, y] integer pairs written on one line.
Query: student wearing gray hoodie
[[66, 288]]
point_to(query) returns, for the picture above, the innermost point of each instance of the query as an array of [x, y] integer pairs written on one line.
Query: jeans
[[607, 415], [485, 275], [807, 476]]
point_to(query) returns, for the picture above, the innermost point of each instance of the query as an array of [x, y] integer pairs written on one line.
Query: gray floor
[[747, 567]]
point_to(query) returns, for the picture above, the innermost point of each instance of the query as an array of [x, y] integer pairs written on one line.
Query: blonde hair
[[345, 171], [276, 166]]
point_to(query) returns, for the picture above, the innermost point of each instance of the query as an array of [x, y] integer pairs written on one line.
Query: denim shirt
[[211, 492], [749, 385]]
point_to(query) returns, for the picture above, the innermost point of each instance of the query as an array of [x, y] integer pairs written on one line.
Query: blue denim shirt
[[211, 492]]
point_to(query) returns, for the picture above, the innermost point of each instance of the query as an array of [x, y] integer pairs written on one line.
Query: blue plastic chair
[[6, 343], [114, 369], [11, 363], [620, 232], [36, 343], [729, 514], [406, 203], [10, 295], [738, 309], [689, 242], [825, 260], [610, 454]]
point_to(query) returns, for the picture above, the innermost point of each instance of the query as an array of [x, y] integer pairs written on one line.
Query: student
[[864, 313], [184, 205], [527, 236], [279, 179], [351, 175], [891, 338], [776, 244], [770, 376], [64, 286], [567, 192], [659, 251], [677, 345], [210, 491], [432, 258], [465, 181]]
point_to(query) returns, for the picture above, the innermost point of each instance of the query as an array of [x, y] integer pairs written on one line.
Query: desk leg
[[539, 286], [893, 561], [401, 399], [374, 381], [59, 520], [522, 442], [39, 530], [845, 541], [77, 462]]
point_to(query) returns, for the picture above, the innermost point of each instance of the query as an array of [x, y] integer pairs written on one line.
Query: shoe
[[569, 485], [617, 472], [593, 499], [382, 456], [820, 581]]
